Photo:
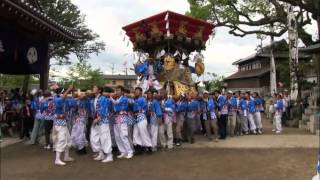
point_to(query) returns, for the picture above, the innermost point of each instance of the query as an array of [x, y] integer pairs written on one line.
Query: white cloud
[[106, 17]]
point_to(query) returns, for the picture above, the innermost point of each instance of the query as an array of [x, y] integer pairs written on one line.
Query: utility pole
[[273, 75], [112, 69]]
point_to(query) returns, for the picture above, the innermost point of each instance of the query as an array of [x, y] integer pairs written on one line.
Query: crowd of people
[[132, 122]]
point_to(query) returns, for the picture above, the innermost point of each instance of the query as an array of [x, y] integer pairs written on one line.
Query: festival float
[[169, 49]]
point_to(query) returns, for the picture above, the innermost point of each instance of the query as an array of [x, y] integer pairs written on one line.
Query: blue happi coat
[[59, 111], [140, 107], [193, 108], [243, 106], [47, 109], [120, 107], [251, 105], [181, 106], [222, 104], [102, 109], [211, 104], [156, 111]]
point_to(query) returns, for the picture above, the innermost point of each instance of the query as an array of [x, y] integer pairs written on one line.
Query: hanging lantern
[[199, 67]]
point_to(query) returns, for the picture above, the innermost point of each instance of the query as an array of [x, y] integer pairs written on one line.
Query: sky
[[106, 17]]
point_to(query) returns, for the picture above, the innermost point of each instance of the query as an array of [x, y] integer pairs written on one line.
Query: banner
[[21, 52]]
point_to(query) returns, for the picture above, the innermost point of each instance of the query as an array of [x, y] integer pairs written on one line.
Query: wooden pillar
[[44, 76], [26, 82], [318, 20], [316, 58]]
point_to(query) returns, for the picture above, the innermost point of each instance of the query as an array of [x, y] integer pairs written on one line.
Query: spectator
[[1, 111], [27, 119], [9, 114]]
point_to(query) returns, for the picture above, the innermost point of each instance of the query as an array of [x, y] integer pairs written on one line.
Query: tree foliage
[[15, 81], [215, 82], [69, 15], [245, 17], [83, 76]]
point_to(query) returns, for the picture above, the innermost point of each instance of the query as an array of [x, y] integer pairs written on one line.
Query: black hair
[[120, 87], [138, 88], [59, 90], [127, 91], [47, 93], [217, 91], [107, 89], [100, 89], [151, 90]]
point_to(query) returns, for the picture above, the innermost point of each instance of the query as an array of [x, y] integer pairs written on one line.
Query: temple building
[[254, 71], [127, 81], [25, 34]]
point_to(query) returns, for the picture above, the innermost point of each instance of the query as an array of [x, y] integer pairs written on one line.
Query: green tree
[[245, 17], [69, 15], [83, 76], [215, 82], [16, 81]]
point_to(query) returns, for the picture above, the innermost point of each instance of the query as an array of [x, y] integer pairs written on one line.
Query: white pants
[[257, 119], [166, 141], [95, 138], [61, 138], [105, 138], [141, 135], [251, 122], [154, 131], [121, 137], [277, 122]]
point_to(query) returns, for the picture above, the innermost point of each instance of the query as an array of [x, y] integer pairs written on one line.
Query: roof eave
[[29, 10]]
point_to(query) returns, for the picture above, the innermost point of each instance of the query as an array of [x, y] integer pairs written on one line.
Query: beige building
[[127, 81]]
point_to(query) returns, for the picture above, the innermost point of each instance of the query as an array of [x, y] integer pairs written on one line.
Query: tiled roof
[[120, 77], [248, 74], [312, 48], [25, 9], [281, 51]]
